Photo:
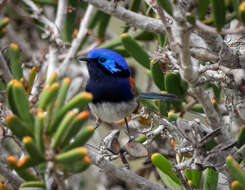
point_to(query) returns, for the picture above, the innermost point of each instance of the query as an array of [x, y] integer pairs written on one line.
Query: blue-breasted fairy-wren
[[113, 89]]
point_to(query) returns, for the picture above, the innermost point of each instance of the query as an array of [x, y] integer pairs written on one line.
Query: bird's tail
[[159, 96]]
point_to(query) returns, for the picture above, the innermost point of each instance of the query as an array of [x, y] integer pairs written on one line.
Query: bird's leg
[[123, 159], [126, 122], [98, 123]]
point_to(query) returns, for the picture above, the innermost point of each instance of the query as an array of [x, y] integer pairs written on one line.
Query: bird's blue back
[[109, 73]]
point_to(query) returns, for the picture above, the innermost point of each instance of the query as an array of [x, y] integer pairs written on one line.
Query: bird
[[113, 88]]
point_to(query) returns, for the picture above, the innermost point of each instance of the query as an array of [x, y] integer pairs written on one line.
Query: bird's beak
[[80, 59]]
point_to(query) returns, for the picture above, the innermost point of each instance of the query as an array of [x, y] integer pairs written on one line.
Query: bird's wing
[[159, 96], [133, 86]]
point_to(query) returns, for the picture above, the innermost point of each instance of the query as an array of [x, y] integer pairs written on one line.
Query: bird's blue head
[[107, 61]]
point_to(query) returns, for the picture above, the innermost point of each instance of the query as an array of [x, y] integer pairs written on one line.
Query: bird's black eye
[[102, 59]]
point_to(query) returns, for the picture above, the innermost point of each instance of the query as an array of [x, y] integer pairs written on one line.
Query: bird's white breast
[[110, 112]]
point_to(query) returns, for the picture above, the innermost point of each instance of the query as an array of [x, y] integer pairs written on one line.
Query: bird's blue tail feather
[[159, 96]]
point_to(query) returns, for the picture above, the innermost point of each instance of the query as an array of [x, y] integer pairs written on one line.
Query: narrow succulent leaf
[[22, 104], [236, 4], [38, 131], [235, 170], [166, 5], [32, 76], [4, 22], [181, 88], [18, 127], [33, 184], [82, 138], [141, 139], [242, 11], [74, 127], [53, 78], [103, 25], [211, 179], [46, 2], [216, 90], [72, 155], [15, 61], [97, 16], [70, 20], [78, 101], [123, 52], [95, 19], [48, 95], [3, 31], [241, 137], [191, 19], [168, 180], [26, 174], [236, 186], [10, 96], [135, 50], [149, 104], [202, 8], [62, 128], [137, 35], [62, 93], [196, 178], [134, 6], [157, 74], [218, 11], [2, 85], [23, 173], [27, 162], [32, 149], [162, 38], [172, 116], [197, 108], [78, 166], [174, 85], [164, 107], [165, 166], [12, 162]]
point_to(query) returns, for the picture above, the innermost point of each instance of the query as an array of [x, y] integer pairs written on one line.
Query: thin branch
[[239, 154], [123, 173], [134, 19], [204, 55], [13, 180], [213, 30], [60, 15], [77, 41], [37, 14], [53, 51]]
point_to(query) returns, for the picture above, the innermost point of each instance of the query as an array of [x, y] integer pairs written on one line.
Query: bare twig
[[239, 154], [134, 19], [204, 55], [60, 15], [13, 180], [76, 42], [124, 174]]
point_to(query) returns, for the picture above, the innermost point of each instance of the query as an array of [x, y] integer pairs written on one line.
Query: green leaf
[[166, 5], [202, 8], [211, 179], [218, 10], [241, 137], [168, 180], [135, 50]]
